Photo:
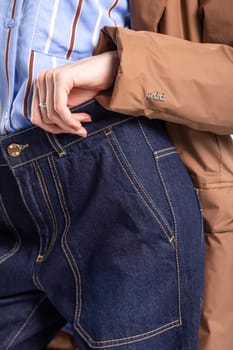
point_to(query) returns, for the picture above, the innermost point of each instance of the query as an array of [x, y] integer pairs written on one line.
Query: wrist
[[97, 72]]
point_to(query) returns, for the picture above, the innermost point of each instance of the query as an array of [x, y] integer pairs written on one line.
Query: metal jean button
[[15, 150]]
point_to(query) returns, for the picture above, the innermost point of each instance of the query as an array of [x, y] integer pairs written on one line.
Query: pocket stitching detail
[[119, 153], [126, 340], [49, 205], [64, 244], [26, 322], [176, 235]]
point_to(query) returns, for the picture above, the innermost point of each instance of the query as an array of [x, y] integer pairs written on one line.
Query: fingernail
[[82, 133], [88, 119]]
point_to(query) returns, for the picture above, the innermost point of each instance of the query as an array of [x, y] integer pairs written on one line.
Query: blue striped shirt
[[39, 34]]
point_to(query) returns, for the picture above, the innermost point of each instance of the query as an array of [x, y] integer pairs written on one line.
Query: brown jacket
[[186, 78]]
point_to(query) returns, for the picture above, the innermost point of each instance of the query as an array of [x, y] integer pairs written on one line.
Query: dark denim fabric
[[103, 232]]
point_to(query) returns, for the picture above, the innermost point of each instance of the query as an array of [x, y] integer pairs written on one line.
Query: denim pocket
[[120, 245], [143, 182]]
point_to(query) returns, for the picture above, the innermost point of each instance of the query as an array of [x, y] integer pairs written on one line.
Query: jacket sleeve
[[163, 77]]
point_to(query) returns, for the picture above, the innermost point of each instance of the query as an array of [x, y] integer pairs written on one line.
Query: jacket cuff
[[163, 77]]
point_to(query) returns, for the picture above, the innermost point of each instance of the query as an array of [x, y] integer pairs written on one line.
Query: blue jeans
[[103, 232]]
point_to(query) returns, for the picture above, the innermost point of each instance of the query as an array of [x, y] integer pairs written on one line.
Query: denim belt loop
[[56, 145]]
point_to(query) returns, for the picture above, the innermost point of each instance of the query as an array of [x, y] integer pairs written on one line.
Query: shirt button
[[10, 23]]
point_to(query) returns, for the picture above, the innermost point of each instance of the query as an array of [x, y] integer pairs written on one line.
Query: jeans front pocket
[[121, 245]]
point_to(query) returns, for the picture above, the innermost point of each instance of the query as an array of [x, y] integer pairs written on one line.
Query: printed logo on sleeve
[[159, 96]]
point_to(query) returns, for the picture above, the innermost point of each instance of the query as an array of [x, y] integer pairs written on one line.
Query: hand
[[71, 85]]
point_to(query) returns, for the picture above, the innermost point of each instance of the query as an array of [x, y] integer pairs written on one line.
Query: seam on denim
[[165, 154], [126, 340], [119, 153], [4, 137], [159, 151], [49, 205], [17, 243], [64, 244], [37, 282], [55, 144], [32, 160], [145, 136], [99, 130], [176, 235], [29, 211], [52, 141], [165, 150], [25, 323], [71, 143]]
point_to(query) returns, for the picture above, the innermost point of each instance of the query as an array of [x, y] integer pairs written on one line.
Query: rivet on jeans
[[40, 258]]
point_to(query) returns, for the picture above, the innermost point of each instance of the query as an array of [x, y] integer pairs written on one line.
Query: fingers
[[49, 105], [69, 85], [42, 99]]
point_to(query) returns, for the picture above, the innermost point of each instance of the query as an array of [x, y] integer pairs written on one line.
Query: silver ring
[[43, 105]]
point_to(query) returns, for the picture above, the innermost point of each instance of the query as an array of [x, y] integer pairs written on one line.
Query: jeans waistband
[[40, 142], [34, 143]]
